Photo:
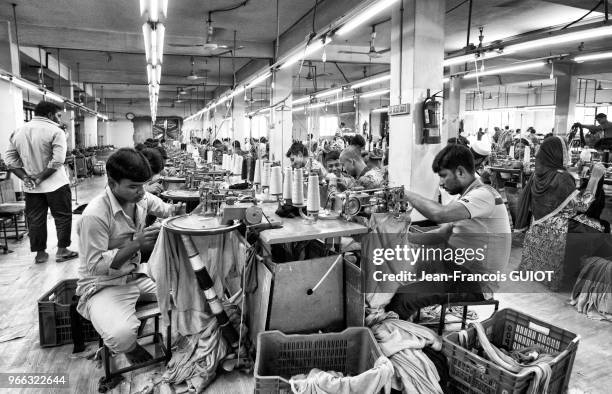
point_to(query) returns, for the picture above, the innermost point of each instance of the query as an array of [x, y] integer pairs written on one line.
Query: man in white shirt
[[477, 221], [36, 154]]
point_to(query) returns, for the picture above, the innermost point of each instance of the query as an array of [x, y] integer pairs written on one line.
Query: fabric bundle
[[402, 342], [592, 293], [539, 367]]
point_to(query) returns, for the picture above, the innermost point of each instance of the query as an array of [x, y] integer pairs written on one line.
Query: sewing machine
[[351, 203]]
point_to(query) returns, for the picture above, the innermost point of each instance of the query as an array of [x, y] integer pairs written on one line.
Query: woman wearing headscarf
[[551, 207]]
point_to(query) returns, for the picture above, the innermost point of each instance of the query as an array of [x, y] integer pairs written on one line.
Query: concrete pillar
[[70, 116], [417, 52], [90, 124], [142, 129], [280, 134], [565, 99], [452, 105], [239, 120]]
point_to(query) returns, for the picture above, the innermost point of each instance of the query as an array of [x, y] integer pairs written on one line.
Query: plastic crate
[[280, 356], [54, 316], [510, 330]]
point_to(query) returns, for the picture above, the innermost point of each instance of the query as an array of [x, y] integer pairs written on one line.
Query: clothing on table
[[112, 311], [592, 293], [38, 145], [371, 178], [105, 228], [36, 206]]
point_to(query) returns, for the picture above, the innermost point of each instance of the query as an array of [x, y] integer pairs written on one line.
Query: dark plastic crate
[[54, 316], [280, 356], [510, 330]]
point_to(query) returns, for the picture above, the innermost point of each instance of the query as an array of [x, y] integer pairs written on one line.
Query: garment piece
[[592, 293], [105, 228], [224, 256], [550, 188], [112, 311], [36, 146], [330, 382], [371, 178], [403, 342], [36, 208]]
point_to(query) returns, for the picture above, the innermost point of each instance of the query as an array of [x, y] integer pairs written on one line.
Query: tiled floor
[[22, 283]]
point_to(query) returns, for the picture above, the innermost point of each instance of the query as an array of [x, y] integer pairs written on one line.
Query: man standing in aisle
[[478, 220], [36, 154], [603, 128]]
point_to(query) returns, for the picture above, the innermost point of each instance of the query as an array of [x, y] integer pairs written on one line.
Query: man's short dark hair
[[236, 144], [297, 148], [601, 115], [453, 156], [46, 107], [127, 163], [358, 140], [332, 155], [155, 159]]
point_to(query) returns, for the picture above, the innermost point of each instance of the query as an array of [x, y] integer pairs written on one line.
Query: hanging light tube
[[383, 109], [318, 105], [594, 56], [160, 30], [375, 93], [342, 100], [295, 109], [301, 100], [328, 93], [54, 96], [314, 46], [473, 56], [364, 16], [259, 80], [562, 39], [158, 73], [154, 57], [504, 70], [371, 81], [146, 33]]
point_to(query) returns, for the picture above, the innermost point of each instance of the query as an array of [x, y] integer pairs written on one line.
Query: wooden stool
[[3, 222], [14, 210], [144, 311], [465, 305]]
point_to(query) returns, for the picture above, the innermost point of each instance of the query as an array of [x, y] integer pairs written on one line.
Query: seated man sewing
[[355, 166], [298, 154], [478, 220], [112, 236]]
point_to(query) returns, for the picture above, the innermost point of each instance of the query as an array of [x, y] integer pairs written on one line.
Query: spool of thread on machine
[[313, 202], [511, 153], [265, 177], [287, 184], [209, 156], [297, 188], [238, 165], [276, 176], [224, 161], [257, 174], [527, 156]]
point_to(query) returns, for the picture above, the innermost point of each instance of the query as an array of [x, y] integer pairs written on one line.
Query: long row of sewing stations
[[375, 208]]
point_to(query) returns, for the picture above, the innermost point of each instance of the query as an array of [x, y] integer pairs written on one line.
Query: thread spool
[[297, 188], [238, 165], [276, 177], [287, 183], [265, 177], [511, 153], [313, 204], [209, 156], [224, 161], [257, 174]]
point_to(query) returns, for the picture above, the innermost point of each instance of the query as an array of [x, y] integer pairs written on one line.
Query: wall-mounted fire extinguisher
[[431, 120]]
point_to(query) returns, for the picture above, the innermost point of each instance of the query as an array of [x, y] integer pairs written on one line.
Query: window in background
[[256, 127], [328, 125], [586, 115]]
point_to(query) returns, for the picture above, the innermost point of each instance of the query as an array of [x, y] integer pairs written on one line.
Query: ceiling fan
[[251, 99], [193, 76], [372, 53], [210, 43]]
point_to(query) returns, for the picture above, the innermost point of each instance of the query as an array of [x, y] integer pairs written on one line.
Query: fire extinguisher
[[431, 123]]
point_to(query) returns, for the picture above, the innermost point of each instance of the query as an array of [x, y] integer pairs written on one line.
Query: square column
[[417, 53], [565, 99], [281, 117]]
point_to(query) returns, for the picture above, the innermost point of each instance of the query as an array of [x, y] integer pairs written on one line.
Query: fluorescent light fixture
[[561, 39], [54, 96], [154, 57], [24, 84], [237, 91], [375, 93], [594, 56], [295, 109], [371, 81], [328, 93], [314, 46], [103, 117], [146, 33], [158, 73], [301, 100], [365, 15], [383, 109], [318, 105], [342, 100], [160, 30], [537, 108], [504, 70], [473, 56], [445, 80], [259, 80]]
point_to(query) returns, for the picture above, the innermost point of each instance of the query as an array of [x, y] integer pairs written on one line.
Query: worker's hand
[[180, 208], [154, 188], [29, 183], [147, 238]]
